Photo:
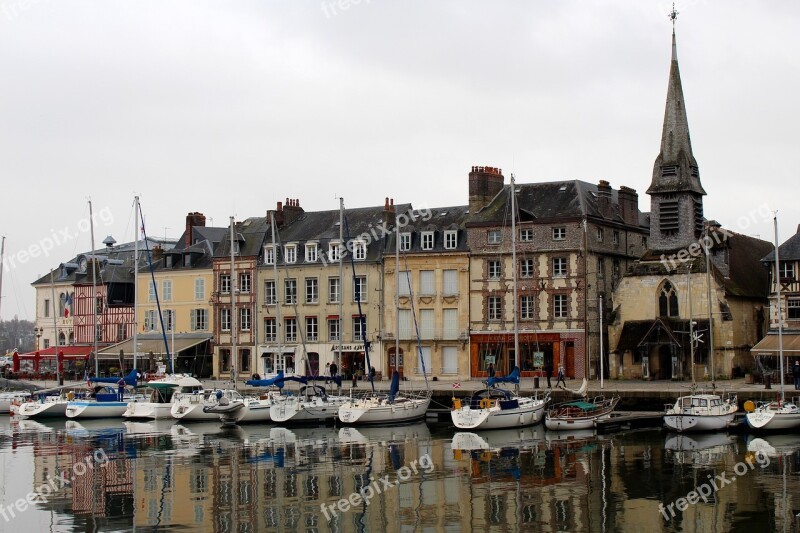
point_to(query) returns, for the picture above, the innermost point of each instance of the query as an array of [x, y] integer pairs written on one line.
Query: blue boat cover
[[130, 379], [394, 388], [513, 377]]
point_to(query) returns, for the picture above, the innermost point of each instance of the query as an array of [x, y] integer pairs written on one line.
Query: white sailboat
[[395, 407], [493, 407], [780, 414], [699, 411]]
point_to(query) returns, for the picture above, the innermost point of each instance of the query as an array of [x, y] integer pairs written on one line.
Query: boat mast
[[136, 215], [691, 322], [234, 354], [2, 256], [55, 325], [277, 301], [94, 289], [514, 268], [601, 341], [710, 312], [397, 298], [778, 296], [339, 249]]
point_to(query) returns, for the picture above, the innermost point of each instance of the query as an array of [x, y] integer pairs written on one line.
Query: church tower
[[676, 195]]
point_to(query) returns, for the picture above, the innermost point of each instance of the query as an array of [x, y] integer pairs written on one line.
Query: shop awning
[[149, 343], [71, 352], [769, 345]]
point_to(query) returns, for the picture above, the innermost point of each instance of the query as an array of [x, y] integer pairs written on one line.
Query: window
[[793, 309], [526, 268], [269, 255], [615, 270], [270, 330], [601, 267], [151, 291], [98, 303], [526, 307], [449, 360], [359, 250], [312, 290], [290, 291], [150, 323], [311, 252], [559, 267], [450, 239], [450, 282], [46, 343], [427, 240], [494, 236], [199, 289], [225, 319], [787, 270], [169, 320], [406, 324], [334, 290], [244, 358], [47, 308], [425, 363], [426, 324], [526, 235], [427, 285], [166, 290], [244, 319], [404, 283], [599, 234], [560, 306], [405, 242], [668, 301], [199, 319], [359, 328], [244, 283], [615, 237], [224, 283], [334, 248], [270, 297], [450, 324], [360, 289], [98, 332], [290, 253], [559, 233], [493, 268], [493, 306], [312, 328], [333, 329], [290, 329]]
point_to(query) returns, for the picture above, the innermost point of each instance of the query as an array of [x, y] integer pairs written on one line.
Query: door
[[569, 359]]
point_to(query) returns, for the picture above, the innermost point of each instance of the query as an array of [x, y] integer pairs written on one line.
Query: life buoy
[[456, 403]]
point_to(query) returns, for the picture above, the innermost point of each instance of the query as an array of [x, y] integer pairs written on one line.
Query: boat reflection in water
[[700, 449]]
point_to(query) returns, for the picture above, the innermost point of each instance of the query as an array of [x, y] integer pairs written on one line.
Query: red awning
[[72, 352]]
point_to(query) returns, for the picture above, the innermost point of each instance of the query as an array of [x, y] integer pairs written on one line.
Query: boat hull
[[379, 411], [192, 412], [768, 419], [579, 415], [148, 410], [250, 412], [9, 399], [690, 422], [293, 411], [526, 414], [96, 409], [568, 424], [54, 409]]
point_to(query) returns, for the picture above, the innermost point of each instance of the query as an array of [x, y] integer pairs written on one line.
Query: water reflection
[[208, 477]]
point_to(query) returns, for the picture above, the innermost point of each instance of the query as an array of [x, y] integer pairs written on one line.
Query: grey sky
[[228, 107]]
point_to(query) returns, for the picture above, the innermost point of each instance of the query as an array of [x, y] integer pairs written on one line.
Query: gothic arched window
[[668, 301]]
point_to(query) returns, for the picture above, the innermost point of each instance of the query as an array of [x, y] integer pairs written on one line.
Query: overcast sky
[[228, 107]]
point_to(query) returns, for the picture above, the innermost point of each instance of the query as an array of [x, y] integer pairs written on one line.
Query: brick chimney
[[389, 213], [158, 252], [193, 220], [628, 205], [291, 211], [484, 184], [604, 199]]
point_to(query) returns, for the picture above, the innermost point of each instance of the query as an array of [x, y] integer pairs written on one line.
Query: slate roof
[[788, 251], [550, 201], [438, 220], [250, 233]]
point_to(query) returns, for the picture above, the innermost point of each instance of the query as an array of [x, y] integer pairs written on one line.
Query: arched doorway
[[390, 362]]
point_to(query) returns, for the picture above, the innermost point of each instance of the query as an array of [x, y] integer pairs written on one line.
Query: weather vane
[[673, 15]]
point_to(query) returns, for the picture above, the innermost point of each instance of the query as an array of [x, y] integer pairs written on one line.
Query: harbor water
[[111, 475]]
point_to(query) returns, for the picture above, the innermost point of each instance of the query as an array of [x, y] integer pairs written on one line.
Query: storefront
[[537, 351]]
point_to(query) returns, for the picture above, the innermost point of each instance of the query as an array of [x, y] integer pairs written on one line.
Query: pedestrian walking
[[548, 370], [561, 376]]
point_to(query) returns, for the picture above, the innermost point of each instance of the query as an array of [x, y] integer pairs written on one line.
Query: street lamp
[[38, 332]]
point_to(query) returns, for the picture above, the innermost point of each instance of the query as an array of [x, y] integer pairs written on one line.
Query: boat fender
[[486, 403], [456, 403], [749, 406]]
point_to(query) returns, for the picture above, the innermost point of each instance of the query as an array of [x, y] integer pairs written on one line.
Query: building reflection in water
[[205, 477]]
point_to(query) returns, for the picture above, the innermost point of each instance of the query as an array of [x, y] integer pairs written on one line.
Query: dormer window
[[600, 235], [405, 242], [427, 240], [334, 250], [450, 239], [269, 255], [359, 250], [168, 261], [187, 260], [290, 253], [311, 252]]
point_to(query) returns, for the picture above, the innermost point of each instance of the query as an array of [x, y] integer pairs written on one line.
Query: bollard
[[535, 382]]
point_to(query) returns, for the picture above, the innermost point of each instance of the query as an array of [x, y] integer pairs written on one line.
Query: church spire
[[675, 168]]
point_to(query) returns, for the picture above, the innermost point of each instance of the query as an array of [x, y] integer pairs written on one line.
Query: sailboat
[[494, 407], [698, 411], [394, 407], [778, 415]]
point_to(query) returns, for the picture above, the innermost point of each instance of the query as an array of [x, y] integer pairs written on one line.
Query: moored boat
[[701, 412], [7, 399], [159, 404], [580, 414]]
